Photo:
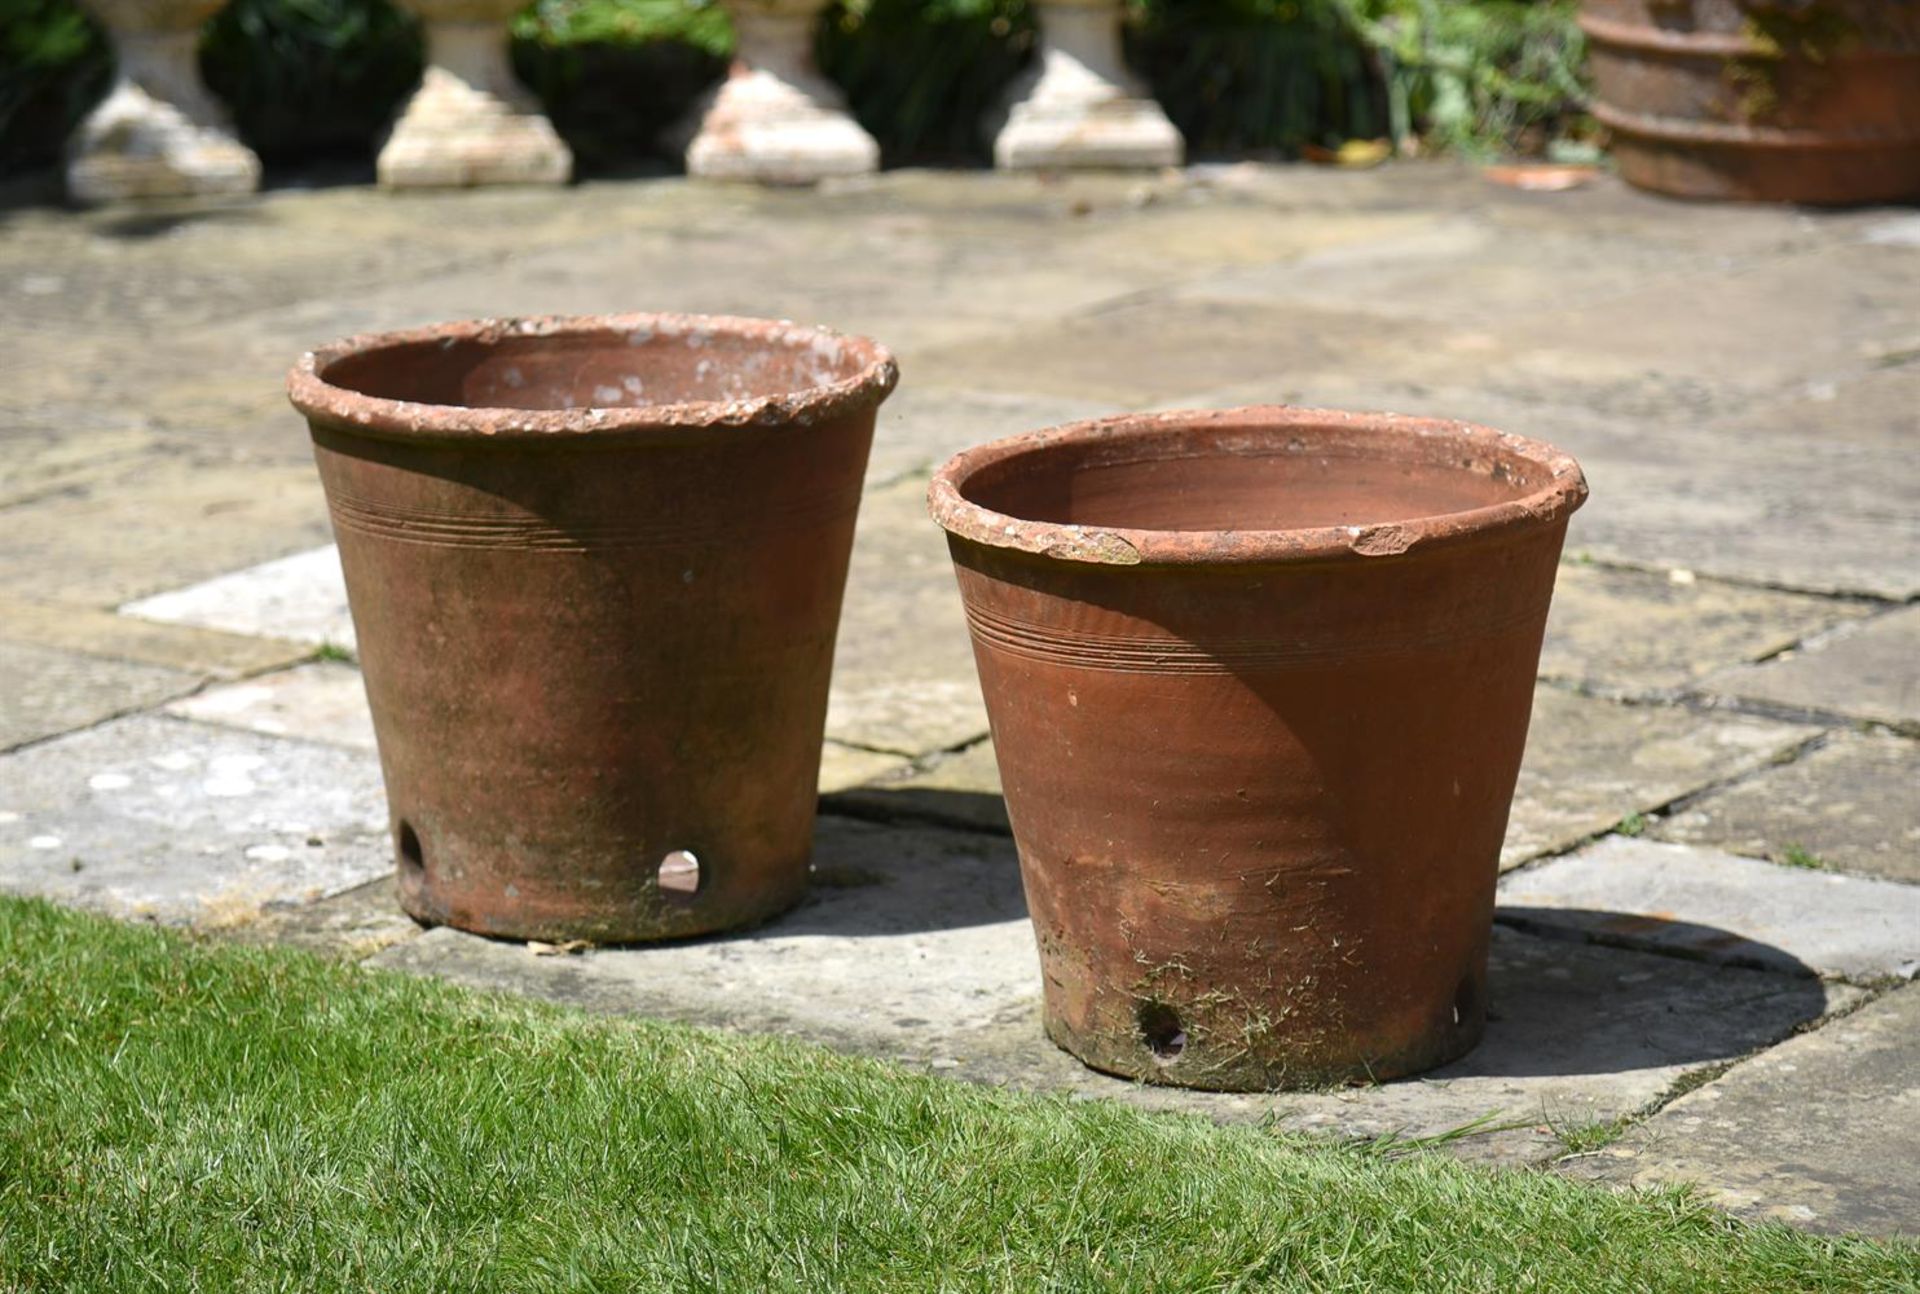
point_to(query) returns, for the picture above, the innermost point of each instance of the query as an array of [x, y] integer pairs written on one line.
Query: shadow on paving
[[1550, 1014]]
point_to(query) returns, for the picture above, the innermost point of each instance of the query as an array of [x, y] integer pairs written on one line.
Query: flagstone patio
[[1711, 902]]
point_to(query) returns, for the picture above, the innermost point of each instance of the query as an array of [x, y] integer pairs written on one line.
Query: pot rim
[[406, 420], [1565, 491]]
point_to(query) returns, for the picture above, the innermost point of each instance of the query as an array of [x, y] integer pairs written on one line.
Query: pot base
[[646, 917], [1240, 1051]]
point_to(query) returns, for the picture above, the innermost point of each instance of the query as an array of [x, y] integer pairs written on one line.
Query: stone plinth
[[158, 133], [1078, 106], [470, 122], [775, 118]]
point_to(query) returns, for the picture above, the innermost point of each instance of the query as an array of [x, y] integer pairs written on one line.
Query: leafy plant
[[615, 74], [54, 66], [1266, 75], [923, 75], [1801, 856], [1475, 77], [308, 78]]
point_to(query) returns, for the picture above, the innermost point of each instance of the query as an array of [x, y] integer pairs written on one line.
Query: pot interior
[[1253, 478], [600, 368]]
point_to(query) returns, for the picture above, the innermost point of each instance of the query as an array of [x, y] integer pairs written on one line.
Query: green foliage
[[702, 24], [1585, 1136], [1476, 77], [1265, 75], [308, 78], [54, 65], [923, 75], [1801, 856], [1634, 824], [614, 74], [208, 1118]]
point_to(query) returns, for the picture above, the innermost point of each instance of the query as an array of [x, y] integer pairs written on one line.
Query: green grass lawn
[[186, 1116]]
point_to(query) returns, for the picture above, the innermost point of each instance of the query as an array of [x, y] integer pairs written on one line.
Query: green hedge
[[54, 65], [311, 78], [307, 78]]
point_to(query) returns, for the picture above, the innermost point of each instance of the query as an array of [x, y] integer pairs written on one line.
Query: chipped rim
[[1565, 490], [407, 420]]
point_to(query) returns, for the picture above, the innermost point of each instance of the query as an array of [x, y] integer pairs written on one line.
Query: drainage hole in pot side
[[1463, 1000], [1161, 1030], [678, 876], [408, 842]]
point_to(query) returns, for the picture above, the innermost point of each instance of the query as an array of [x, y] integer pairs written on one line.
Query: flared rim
[[873, 375], [1563, 489]]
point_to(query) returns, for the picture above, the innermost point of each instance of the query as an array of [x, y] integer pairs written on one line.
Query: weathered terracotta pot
[[1259, 682], [595, 568], [1813, 101]]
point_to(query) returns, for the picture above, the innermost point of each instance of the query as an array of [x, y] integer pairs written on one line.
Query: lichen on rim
[[1565, 490], [874, 374]]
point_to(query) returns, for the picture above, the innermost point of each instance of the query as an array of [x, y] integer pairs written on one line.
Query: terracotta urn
[[471, 122], [775, 118], [595, 567], [1259, 682], [1078, 105], [1814, 101], [158, 133]]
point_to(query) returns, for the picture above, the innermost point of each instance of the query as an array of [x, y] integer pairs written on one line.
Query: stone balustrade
[[158, 133], [1078, 106], [471, 121], [775, 118]]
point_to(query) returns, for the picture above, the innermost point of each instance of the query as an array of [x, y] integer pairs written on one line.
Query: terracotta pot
[[1813, 101], [1259, 682], [595, 568]]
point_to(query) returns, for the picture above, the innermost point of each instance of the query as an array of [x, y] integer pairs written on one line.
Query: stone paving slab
[[1589, 763], [48, 691], [1143, 351], [163, 522], [161, 819], [203, 652], [1822, 1131], [959, 789], [299, 598], [1867, 671], [1216, 247], [903, 676], [351, 925], [901, 260], [52, 447], [1852, 805], [188, 262], [320, 701], [919, 427], [1739, 498], [1714, 343], [1468, 265], [920, 951], [1712, 906], [1647, 633]]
